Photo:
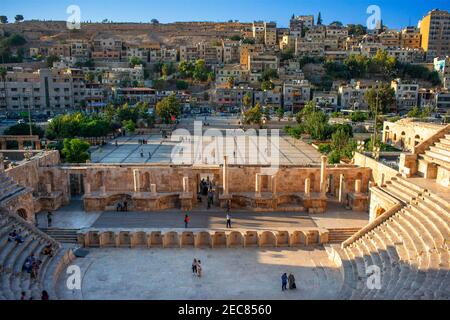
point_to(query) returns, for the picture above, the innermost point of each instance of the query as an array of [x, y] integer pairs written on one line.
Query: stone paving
[[72, 216], [242, 150], [124, 274]]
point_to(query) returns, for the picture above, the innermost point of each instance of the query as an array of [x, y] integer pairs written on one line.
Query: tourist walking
[[291, 280], [186, 221], [49, 219], [194, 267], [228, 221], [199, 268], [125, 206], [284, 280], [44, 295], [210, 198]]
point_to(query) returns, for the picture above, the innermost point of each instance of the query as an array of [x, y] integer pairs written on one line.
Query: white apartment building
[[296, 93], [123, 76], [406, 94], [44, 91], [442, 66]]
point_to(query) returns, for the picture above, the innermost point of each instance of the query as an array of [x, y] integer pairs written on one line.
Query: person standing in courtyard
[[194, 266], [228, 221], [291, 280], [49, 219], [186, 221], [284, 280], [199, 268]]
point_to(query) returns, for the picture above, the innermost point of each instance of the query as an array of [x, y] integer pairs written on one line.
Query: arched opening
[[146, 182], [416, 140], [22, 213], [312, 182], [379, 211]]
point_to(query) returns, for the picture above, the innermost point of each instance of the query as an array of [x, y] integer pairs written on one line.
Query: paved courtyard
[[241, 150], [72, 216], [124, 274]]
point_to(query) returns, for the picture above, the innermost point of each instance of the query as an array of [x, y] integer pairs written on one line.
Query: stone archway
[[379, 211], [22, 213]]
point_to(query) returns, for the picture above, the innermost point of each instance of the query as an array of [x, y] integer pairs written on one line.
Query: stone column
[[274, 185], [103, 190], [358, 186], [20, 142], [307, 187], [37, 145], [323, 174], [87, 188], [2, 165], [225, 175], [137, 182], [185, 184], [341, 188], [258, 184], [1, 145], [48, 187], [153, 188]]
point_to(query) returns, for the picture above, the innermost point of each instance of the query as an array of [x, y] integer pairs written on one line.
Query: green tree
[[51, 60], [253, 115], [23, 129], [3, 19], [75, 151], [280, 113], [165, 71], [129, 126], [267, 85], [316, 125], [200, 70], [269, 74], [380, 99], [135, 61], [19, 18], [319, 19], [168, 108], [182, 85], [247, 100]]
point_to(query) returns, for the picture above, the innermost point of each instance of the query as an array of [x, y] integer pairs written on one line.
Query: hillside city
[[164, 161]]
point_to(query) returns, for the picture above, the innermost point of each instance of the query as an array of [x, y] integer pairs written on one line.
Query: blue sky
[[395, 13]]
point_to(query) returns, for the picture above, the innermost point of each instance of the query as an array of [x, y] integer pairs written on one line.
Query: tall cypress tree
[[319, 19]]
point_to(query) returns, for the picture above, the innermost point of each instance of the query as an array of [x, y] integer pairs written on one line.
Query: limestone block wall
[[380, 173], [168, 179], [202, 239], [407, 133]]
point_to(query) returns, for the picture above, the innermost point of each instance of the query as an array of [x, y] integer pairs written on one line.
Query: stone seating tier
[[411, 249], [13, 256]]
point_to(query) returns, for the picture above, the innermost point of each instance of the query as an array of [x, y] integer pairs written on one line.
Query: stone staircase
[[340, 235], [439, 153], [8, 187], [12, 257], [411, 247], [62, 235]]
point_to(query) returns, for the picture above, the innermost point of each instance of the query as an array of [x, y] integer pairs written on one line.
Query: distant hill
[[172, 34]]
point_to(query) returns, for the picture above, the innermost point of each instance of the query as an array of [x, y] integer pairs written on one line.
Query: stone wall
[[201, 239]]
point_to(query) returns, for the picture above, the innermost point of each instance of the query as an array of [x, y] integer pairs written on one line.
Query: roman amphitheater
[[369, 229]]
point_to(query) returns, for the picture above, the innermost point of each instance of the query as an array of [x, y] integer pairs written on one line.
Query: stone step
[[445, 145], [397, 193], [431, 216], [408, 184], [442, 151], [444, 141], [438, 159], [431, 206]]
